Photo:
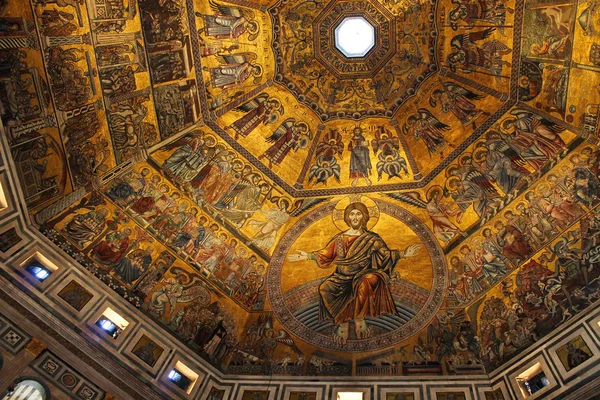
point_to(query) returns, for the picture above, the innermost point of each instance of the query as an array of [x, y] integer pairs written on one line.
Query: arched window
[[27, 390]]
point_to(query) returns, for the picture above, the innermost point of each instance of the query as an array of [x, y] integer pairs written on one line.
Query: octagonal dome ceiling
[[205, 159], [299, 121]]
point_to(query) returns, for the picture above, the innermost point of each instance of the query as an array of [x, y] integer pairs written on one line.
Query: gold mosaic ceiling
[[216, 145], [400, 96]]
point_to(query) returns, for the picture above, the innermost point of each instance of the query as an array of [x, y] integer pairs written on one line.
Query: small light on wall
[[350, 396], [532, 380], [38, 271], [109, 327], [112, 323], [174, 375], [3, 202], [183, 377], [38, 266]]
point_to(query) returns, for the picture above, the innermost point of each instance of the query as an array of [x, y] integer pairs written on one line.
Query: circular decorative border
[[329, 34], [423, 316], [293, 86], [325, 24]]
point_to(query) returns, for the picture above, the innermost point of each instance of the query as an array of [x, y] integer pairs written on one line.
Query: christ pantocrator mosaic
[[358, 288]]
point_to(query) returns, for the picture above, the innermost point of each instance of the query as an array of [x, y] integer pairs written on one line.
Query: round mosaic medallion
[[68, 380], [356, 293]]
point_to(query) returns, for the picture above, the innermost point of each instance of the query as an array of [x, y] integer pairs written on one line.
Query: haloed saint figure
[[359, 287]]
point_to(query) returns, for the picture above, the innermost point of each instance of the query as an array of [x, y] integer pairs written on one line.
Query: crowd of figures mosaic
[[430, 207]]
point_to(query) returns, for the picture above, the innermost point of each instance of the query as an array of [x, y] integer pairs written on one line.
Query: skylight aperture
[[354, 37]]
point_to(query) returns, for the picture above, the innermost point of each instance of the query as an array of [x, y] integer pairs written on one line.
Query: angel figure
[[466, 56], [327, 151], [277, 217], [267, 230], [457, 99], [479, 11], [384, 141], [192, 153], [331, 145], [439, 212], [286, 339], [428, 128], [234, 70], [501, 164], [263, 344], [291, 135], [534, 137], [228, 22], [392, 164], [324, 169], [183, 288], [386, 146], [262, 109], [473, 189]]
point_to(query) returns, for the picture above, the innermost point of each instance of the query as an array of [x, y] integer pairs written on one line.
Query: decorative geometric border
[[12, 338], [8, 194], [436, 296], [82, 388], [389, 111], [24, 238], [105, 338], [37, 253], [323, 29], [367, 391], [54, 295], [170, 364], [595, 326], [482, 389], [545, 365], [135, 338], [217, 385]]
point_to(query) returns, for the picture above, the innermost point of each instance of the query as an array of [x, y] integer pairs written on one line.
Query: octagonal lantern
[[354, 37]]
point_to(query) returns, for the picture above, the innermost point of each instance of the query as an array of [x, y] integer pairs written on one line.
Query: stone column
[[13, 42], [59, 206], [46, 122], [19, 42], [116, 38], [67, 40]]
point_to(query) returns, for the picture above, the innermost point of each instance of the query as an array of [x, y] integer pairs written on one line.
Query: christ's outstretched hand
[[412, 250], [298, 257]]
